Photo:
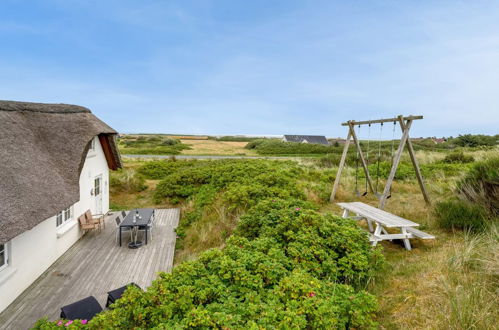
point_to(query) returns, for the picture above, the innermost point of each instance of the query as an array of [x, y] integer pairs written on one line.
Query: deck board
[[93, 266]]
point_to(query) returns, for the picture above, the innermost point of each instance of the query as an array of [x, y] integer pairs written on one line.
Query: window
[[92, 145], [64, 216], [3, 256], [97, 184]]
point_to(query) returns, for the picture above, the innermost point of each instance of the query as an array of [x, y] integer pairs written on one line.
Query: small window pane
[[3, 258], [67, 214], [97, 186], [59, 219]]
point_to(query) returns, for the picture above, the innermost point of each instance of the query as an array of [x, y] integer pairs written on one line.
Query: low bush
[[458, 157], [303, 270], [234, 138], [481, 185], [158, 169], [276, 147], [469, 140], [439, 170], [458, 214], [151, 145]]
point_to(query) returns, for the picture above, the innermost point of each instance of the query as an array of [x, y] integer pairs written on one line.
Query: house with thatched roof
[[54, 165]]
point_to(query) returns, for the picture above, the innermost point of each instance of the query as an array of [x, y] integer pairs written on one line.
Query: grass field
[[449, 283], [216, 148]]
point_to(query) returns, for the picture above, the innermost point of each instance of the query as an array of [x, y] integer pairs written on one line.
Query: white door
[[98, 194]]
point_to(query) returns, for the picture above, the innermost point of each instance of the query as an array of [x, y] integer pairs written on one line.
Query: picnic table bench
[[383, 220]]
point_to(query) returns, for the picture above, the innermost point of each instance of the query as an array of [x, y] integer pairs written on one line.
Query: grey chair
[[149, 227], [123, 230]]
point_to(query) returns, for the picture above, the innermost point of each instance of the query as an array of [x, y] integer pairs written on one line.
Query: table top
[[146, 215], [372, 213]]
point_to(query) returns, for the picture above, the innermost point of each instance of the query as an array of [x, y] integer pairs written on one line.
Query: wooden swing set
[[405, 125]]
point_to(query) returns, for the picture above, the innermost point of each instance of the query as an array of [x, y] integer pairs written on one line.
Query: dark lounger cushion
[[116, 294], [84, 309]]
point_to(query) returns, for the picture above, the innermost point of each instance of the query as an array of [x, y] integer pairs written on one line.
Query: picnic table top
[[374, 214]]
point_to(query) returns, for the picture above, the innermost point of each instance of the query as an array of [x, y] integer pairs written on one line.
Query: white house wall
[[32, 252]]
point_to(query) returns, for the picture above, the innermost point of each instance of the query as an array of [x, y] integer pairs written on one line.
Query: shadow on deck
[[93, 266]]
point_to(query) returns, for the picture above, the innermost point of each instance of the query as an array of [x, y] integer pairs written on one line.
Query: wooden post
[[362, 159], [395, 164], [415, 164], [340, 167], [405, 124]]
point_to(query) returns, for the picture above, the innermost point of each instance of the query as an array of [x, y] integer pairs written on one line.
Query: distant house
[[438, 140], [317, 139], [54, 165]]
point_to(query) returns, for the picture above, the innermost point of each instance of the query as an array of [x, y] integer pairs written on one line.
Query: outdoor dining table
[[131, 221]]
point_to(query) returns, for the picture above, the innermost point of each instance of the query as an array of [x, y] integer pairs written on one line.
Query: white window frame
[[64, 216], [5, 249], [92, 144]]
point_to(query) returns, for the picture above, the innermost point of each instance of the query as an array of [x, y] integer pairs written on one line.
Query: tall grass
[[481, 185], [471, 285]]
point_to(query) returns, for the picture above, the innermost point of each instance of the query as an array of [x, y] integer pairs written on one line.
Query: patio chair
[[116, 294], [123, 230], [84, 309], [98, 220], [85, 225], [149, 227], [123, 214]]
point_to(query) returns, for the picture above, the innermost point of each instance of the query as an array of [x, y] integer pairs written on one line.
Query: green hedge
[[276, 147], [299, 270]]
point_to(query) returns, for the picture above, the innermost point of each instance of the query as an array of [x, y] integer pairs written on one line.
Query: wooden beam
[[106, 147], [361, 155], [340, 167], [396, 161], [419, 176], [379, 121]]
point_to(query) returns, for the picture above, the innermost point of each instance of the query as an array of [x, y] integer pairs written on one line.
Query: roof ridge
[[55, 108]]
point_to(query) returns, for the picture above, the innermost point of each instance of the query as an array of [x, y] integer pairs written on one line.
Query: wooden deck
[[93, 266]]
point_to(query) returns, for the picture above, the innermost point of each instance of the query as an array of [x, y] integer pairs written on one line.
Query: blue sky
[[257, 67]]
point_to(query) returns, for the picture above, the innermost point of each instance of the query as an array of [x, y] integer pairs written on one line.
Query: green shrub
[[457, 214], [439, 170], [276, 147], [469, 140], [152, 145], [158, 169], [481, 185], [302, 271], [458, 157], [234, 138], [170, 142]]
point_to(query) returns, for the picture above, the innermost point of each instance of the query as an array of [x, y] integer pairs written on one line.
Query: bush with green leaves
[[151, 145], [300, 269], [458, 157], [481, 185], [276, 147], [159, 169], [469, 140]]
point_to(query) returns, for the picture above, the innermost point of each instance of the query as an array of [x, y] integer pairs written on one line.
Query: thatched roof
[[42, 151]]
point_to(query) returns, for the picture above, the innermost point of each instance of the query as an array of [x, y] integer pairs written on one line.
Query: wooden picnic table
[[382, 220]]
